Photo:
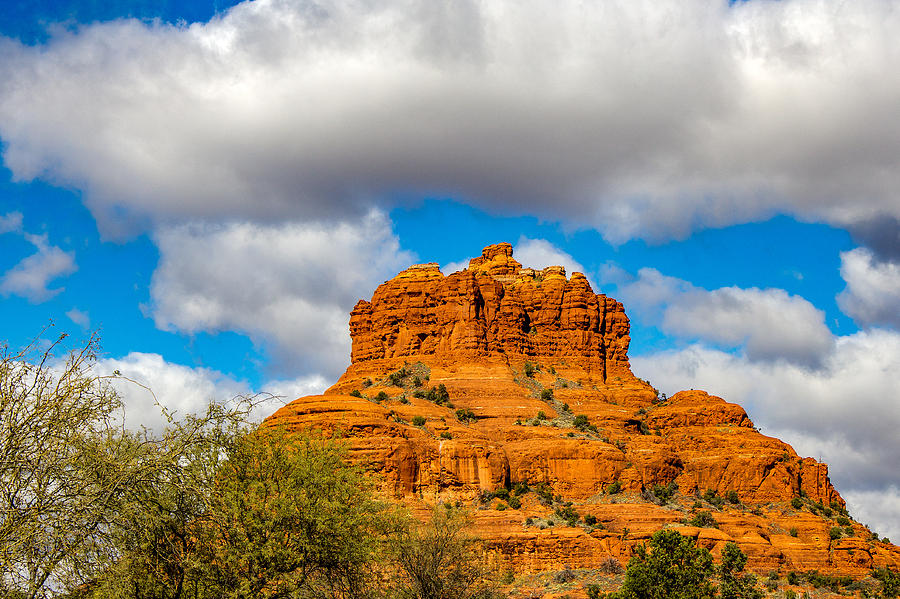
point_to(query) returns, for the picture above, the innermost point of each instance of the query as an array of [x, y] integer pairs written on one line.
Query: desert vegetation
[[209, 507]]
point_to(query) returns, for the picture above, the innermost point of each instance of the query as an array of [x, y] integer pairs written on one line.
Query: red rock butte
[[465, 387]]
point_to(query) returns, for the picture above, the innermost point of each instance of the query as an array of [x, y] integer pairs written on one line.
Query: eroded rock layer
[[466, 387], [495, 305]]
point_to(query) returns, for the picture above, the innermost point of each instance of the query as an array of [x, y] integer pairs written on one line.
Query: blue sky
[[214, 184]]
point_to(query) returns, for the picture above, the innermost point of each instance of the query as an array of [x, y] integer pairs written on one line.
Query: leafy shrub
[[514, 502], [418, 420], [367, 383], [547, 395], [438, 395], [890, 581], [581, 422], [417, 382], [673, 567], [835, 533], [711, 496], [643, 428], [356, 393], [403, 400], [567, 514], [794, 532], [734, 585], [843, 521], [382, 396], [793, 578], [663, 493], [703, 519], [732, 496], [789, 594], [834, 583], [529, 369], [614, 488], [565, 407], [465, 415], [520, 489], [590, 519], [545, 493], [446, 435], [796, 503], [541, 415]]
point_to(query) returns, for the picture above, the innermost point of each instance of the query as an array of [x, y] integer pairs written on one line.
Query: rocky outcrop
[[539, 393], [494, 306]]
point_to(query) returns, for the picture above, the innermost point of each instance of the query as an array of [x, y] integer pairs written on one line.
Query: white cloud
[[769, 324], [291, 286], [183, 390], [540, 253], [289, 390], [452, 267], [643, 118], [843, 413], [179, 389], [79, 317], [30, 277], [11, 221], [872, 296]]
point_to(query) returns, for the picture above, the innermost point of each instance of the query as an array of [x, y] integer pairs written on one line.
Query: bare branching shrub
[[611, 566], [442, 560]]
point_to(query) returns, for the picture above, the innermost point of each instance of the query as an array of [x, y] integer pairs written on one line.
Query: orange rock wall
[[493, 306]]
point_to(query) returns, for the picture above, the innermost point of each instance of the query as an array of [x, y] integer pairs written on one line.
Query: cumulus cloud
[[768, 324], [643, 118], [178, 389], [838, 414], [32, 275], [148, 384], [540, 253], [290, 286], [11, 221], [872, 296]]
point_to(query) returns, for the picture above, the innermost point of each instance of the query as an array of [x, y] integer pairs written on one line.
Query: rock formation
[[468, 386]]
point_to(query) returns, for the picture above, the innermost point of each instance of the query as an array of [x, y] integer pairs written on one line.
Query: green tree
[[733, 584], [162, 536], [890, 581], [290, 516], [66, 467], [673, 568]]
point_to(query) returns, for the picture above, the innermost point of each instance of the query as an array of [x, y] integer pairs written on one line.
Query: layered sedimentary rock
[[493, 306], [539, 393]]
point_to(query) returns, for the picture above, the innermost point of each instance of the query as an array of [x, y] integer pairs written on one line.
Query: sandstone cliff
[[509, 389]]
